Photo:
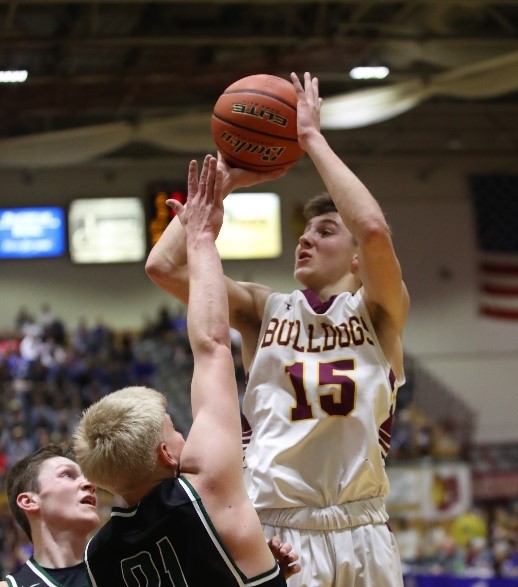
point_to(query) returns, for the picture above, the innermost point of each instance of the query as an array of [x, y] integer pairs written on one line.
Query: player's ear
[[355, 264], [28, 501], [165, 456]]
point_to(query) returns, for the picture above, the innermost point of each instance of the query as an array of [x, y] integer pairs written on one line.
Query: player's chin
[[91, 522], [302, 274], [89, 512]]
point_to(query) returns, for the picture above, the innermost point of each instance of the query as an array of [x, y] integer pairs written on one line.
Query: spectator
[[18, 446], [478, 558]]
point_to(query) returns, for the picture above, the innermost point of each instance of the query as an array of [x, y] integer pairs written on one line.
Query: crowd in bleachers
[[481, 543], [50, 371]]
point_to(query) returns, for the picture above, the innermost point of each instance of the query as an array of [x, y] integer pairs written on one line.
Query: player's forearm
[[358, 208], [167, 261], [207, 311]]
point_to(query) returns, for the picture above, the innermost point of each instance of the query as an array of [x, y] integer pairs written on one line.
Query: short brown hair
[[321, 204], [24, 476], [318, 205]]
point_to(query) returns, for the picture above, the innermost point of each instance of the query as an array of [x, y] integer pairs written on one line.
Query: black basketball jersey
[[166, 540], [31, 574]]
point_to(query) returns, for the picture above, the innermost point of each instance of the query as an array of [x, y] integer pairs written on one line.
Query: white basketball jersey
[[319, 401]]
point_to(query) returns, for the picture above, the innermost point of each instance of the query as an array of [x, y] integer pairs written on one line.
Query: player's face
[[325, 252], [67, 501]]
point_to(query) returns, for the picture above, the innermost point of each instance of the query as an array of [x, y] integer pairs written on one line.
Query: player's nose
[[306, 239], [87, 485]]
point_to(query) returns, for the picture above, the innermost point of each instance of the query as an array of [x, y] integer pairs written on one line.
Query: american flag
[[495, 205]]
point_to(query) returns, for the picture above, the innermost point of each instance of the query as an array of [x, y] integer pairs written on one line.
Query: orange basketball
[[254, 123]]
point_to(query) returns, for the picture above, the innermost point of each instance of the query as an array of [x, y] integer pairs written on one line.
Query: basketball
[[254, 123]]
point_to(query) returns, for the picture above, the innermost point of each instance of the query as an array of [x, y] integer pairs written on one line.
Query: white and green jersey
[[31, 574]]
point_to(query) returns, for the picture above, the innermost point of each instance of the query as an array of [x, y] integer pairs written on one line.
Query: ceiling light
[[13, 76], [378, 72]]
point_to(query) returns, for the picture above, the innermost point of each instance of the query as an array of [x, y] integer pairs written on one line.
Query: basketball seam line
[[260, 93], [257, 166], [256, 131]]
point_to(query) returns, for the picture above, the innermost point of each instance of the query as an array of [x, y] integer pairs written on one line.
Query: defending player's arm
[[213, 388], [166, 265], [379, 267], [211, 457]]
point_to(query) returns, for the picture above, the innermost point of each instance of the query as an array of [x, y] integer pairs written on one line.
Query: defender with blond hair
[[188, 519]]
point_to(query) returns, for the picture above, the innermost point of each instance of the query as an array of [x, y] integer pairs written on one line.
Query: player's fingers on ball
[[295, 80]]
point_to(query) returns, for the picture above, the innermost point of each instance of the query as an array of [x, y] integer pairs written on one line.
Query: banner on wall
[[495, 485], [432, 492]]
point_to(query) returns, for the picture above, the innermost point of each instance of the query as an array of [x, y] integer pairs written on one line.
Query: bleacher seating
[[49, 372]]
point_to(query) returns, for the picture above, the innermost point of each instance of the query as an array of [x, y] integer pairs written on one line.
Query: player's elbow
[[375, 233], [160, 269], [154, 266], [213, 347]]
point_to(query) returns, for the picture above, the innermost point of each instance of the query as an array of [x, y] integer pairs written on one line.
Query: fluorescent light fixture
[[378, 72], [13, 76]]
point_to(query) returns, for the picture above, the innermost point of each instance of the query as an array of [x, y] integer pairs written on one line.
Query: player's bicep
[[214, 440], [213, 382], [246, 303]]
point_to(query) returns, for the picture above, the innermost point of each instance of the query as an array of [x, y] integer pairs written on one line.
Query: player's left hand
[[285, 556]]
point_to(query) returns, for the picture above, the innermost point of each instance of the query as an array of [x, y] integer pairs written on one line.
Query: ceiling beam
[[277, 3], [507, 44]]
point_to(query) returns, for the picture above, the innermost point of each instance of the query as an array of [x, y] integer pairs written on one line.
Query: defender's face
[[325, 251], [67, 500]]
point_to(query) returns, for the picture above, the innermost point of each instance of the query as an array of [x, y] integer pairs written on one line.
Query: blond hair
[[116, 440]]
